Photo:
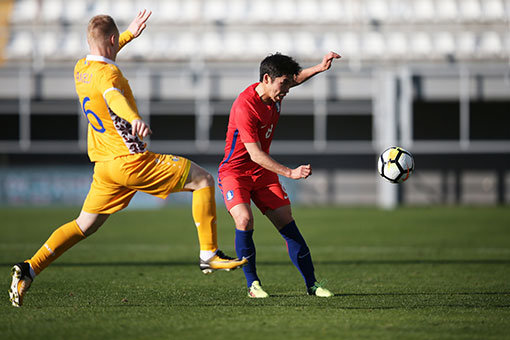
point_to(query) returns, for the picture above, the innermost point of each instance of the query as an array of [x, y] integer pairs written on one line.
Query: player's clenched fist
[[327, 60], [140, 128], [302, 171]]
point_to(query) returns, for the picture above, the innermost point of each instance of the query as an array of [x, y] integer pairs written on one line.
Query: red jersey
[[251, 120]]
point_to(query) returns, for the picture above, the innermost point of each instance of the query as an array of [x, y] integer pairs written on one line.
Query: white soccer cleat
[[21, 281], [256, 292], [318, 290]]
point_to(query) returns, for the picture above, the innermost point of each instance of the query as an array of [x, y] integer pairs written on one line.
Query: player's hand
[[140, 128], [137, 26], [327, 60], [302, 171]]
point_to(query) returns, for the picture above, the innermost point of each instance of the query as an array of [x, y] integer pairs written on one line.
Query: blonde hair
[[100, 28]]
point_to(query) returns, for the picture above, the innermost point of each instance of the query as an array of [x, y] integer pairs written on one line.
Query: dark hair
[[277, 65]]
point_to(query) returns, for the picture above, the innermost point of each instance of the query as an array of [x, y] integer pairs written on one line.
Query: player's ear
[[112, 39], [266, 79]]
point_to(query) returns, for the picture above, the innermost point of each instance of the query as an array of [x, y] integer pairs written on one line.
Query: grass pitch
[[413, 273]]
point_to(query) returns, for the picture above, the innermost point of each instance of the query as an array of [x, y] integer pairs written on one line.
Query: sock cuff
[[203, 190], [77, 230], [32, 271], [244, 232], [289, 226]]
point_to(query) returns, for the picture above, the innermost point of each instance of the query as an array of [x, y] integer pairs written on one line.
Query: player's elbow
[[256, 157]]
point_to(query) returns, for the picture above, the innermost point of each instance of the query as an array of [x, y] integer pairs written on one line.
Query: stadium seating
[[215, 10], [490, 45], [396, 45], [376, 10], [423, 11], [330, 42], [305, 44], [49, 44], [123, 10], [470, 10], [401, 30], [52, 11], [447, 10], [331, 11], [421, 45], [307, 11], [20, 45], [234, 44], [168, 12], [75, 12], [374, 46], [493, 10], [24, 11], [466, 45], [236, 12], [444, 44], [350, 43]]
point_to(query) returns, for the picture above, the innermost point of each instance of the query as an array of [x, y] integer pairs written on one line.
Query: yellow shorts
[[115, 182]]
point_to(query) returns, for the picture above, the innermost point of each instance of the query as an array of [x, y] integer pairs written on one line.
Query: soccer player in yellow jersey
[[123, 165]]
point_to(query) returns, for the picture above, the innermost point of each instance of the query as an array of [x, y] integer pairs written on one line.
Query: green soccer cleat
[[220, 261], [318, 290], [21, 281], [256, 291]]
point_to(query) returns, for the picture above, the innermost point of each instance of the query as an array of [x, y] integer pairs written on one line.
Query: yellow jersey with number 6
[[109, 132]]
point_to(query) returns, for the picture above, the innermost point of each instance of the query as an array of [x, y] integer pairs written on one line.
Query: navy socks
[[296, 246], [246, 248], [299, 252]]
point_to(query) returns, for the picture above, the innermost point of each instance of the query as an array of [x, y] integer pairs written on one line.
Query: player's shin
[[204, 214], [62, 239], [245, 248], [299, 252]]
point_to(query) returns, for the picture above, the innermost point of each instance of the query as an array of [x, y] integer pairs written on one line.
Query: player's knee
[[204, 179], [88, 227], [209, 180], [90, 223], [244, 223]]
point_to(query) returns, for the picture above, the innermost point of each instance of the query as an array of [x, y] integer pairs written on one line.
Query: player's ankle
[[206, 255]]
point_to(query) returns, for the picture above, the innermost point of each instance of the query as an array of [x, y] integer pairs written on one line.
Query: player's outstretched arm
[[264, 160], [309, 72], [135, 28], [138, 24]]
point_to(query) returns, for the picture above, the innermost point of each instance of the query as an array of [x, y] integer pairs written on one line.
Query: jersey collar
[[92, 57]]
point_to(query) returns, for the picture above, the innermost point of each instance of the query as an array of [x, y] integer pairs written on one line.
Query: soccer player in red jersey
[[248, 172]]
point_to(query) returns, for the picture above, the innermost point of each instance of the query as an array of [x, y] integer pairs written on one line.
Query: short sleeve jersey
[[109, 135], [250, 121]]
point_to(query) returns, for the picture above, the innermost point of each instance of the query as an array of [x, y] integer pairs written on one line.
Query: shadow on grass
[[279, 263], [423, 294]]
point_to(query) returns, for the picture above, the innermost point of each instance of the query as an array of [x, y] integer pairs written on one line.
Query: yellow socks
[[62, 239], [203, 209], [204, 215]]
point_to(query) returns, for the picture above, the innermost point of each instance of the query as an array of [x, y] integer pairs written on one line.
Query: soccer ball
[[395, 164]]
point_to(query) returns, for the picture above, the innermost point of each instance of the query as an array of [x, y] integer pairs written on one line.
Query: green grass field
[[414, 273]]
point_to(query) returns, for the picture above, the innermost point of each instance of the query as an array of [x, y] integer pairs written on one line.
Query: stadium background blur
[[432, 76]]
